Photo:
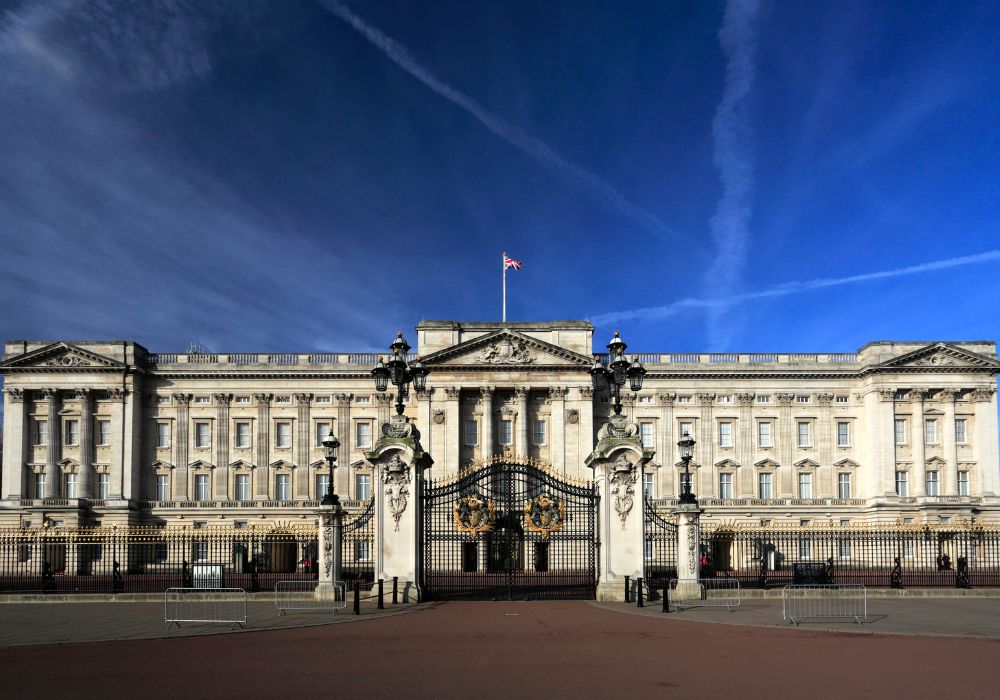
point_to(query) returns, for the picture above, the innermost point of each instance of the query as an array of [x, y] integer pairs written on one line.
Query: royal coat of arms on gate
[[544, 514], [474, 514]]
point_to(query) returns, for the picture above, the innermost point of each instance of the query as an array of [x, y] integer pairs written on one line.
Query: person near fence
[[117, 582], [306, 564], [254, 581], [48, 578], [187, 580]]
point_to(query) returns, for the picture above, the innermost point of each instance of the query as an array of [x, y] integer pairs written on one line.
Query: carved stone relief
[[507, 351], [396, 477], [623, 478]]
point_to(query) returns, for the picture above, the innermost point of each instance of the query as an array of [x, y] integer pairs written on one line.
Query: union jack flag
[[511, 263]]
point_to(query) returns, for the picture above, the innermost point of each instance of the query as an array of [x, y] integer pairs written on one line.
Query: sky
[[299, 176]]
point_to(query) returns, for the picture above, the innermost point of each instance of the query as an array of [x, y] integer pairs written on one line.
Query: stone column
[[688, 559], [384, 404], [262, 474], [557, 438], [303, 445], [667, 481], [17, 440], [917, 447], [985, 446], [53, 478], [347, 439], [824, 448], [786, 439], [452, 450], [950, 476], [707, 440], [486, 392], [120, 452], [180, 480], [331, 555], [521, 439], [425, 412], [85, 483], [879, 455], [586, 442], [743, 488], [221, 486]]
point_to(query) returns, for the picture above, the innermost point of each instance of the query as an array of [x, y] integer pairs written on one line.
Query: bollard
[[666, 600], [395, 590], [381, 606], [638, 593], [628, 591], [357, 597]]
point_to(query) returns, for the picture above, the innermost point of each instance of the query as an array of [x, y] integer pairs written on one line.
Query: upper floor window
[[646, 434], [103, 485], [163, 434], [363, 486], [960, 430], [241, 399], [71, 486], [322, 485], [538, 432], [322, 430], [363, 434], [470, 432], [841, 399], [843, 433], [363, 399], [322, 399], [764, 399], [844, 485], [685, 428], [162, 487], [202, 435], [103, 432], [725, 486], [283, 434], [683, 399], [765, 435], [243, 435], [900, 427], [201, 399], [902, 487], [201, 487], [242, 487], [41, 432], [930, 431], [725, 399], [72, 432], [805, 485], [161, 400], [804, 434], [764, 485], [648, 485], [963, 483], [931, 482], [283, 487], [802, 398], [506, 432], [282, 399], [725, 434]]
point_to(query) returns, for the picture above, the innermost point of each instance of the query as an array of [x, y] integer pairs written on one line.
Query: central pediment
[[507, 348], [940, 356], [62, 356]]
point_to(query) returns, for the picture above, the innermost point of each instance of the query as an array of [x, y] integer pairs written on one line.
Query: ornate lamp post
[[686, 443], [331, 443], [400, 372], [618, 371]]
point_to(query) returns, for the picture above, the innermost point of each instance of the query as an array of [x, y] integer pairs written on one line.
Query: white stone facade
[[107, 432]]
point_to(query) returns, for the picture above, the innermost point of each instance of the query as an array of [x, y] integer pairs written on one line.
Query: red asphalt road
[[547, 650]]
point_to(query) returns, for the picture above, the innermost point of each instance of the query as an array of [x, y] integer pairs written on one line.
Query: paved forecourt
[[554, 649]]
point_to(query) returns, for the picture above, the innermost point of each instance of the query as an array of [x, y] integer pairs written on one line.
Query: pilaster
[[985, 448], [303, 446], [85, 485], [521, 441], [946, 397], [785, 445], [345, 433], [706, 445], [17, 440], [917, 447], [53, 477], [557, 395], [262, 474], [450, 453], [824, 480], [486, 393], [743, 488], [180, 475], [221, 486]]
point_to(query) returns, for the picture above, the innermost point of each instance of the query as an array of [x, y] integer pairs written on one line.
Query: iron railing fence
[[876, 556], [153, 559]]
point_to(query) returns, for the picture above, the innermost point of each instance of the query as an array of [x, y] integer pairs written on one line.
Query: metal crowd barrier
[[205, 605], [808, 601], [704, 593], [309, 595]]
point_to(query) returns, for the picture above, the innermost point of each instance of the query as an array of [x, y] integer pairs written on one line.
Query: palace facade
[[108, 433]]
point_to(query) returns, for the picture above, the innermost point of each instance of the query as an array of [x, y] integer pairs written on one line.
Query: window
[[646, 434], [802, 399], [242, 399], [283, 435], [243, 435], [322, 429], [725, 434], [322, 399], [39, 486], [282, 487], [162, 435], [103, 485], [162, 400], [103, 432], [41, 432], [725, 485], [845, 548], [683, 399], [363, 487], [932, 483], [725, 399], [900, 431], [242, 487], [844, 485], [686, 428], [199, 551], [363, 434], [71, 486], [843, 433], [804, 434], [362, 550], [72, 432], [907, 547], [902, 489], [805, 485], [537, 432], [648, 488], [930, 431], [963, 483], [162, 487], [282, 399], [764, 399], [366, 399], [506, 432], [805, 549], [764, 485], [202, 435], [645, 399], [841, 399], [764, 435], [960, 430], [201, 487], [322, 485], [201, 399], [470, 432]]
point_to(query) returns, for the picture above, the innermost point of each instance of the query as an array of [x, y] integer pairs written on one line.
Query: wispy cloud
[[528, 144], [788, 289], [733, 159]]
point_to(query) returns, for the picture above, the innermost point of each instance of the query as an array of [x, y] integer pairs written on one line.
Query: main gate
[[659, 548], [509, 531]]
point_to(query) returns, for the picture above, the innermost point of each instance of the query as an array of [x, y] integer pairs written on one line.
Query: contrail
[[528, 144], [790, 288], [732, 157]]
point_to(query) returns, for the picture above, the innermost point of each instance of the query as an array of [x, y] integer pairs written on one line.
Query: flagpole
[[503, 266]]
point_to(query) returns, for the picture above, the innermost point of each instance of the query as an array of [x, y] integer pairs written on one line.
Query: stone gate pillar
[[399, 462], [331, 541], [617, 462], [688, 554]]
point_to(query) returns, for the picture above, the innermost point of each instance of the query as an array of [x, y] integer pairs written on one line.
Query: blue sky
[[299, 176]]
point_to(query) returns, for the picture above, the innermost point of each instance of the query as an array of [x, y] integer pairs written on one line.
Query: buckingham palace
[[101, 433]]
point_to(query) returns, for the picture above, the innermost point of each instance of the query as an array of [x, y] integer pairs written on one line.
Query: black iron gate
[[358, 551], [659, 548], [509, 531]]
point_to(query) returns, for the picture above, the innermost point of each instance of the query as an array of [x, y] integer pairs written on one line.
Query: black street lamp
[[331, 443], [686, 443], [400, 372], [618, 371]]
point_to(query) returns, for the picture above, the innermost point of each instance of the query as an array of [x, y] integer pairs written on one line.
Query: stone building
[[106, 432]]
